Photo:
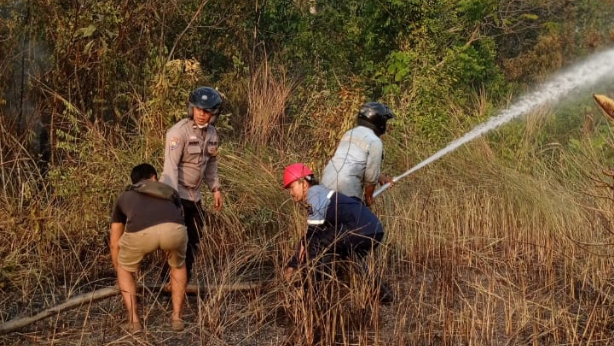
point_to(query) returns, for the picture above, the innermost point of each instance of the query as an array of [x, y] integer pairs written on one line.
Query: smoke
[[28, 58]]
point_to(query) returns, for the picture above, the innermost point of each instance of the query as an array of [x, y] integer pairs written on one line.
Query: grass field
[[479, 251]]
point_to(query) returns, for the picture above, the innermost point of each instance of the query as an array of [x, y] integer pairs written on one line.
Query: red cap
[[295, 172]]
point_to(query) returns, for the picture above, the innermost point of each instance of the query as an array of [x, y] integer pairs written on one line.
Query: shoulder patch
[[173, 142]]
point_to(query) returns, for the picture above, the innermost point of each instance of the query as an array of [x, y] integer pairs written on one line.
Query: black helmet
[[206, 98], [374, 115]]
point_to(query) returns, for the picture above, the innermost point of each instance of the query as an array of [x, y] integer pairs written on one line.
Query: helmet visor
[[215, 110]]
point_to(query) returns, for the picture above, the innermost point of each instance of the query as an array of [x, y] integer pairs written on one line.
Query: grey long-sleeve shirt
[[357, 161], [190, 157]]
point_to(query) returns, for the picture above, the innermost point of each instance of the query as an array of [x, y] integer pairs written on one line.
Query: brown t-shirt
[[139, 211]]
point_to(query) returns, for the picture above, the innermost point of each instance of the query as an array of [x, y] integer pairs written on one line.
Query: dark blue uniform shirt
[[332, 215]]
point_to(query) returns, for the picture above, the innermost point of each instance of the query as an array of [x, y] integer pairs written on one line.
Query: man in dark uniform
[[190, 157], [337, 225]]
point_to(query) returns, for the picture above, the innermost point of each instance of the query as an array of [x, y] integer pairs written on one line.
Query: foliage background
[[88, 89]]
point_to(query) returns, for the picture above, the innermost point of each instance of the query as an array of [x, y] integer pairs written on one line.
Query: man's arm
[[212, 180], [372, 170], [374, 163], [173, 151], [117, 230], [210, 173], [298, 258], [369, 189]]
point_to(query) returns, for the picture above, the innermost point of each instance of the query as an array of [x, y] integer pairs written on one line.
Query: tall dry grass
[[20, 195], [478, 251], [268, 93], [495, 255]]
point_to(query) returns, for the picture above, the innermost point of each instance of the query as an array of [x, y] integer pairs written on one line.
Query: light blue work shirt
[[357, 162]]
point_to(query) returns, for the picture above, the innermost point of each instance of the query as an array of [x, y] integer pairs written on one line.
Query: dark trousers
[[348, 246], [326, 248], [194, 217]]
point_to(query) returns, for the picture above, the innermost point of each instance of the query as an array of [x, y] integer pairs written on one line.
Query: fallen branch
[[69, 304], [107, 292]]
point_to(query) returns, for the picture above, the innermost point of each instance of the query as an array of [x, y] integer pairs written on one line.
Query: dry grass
[[477, 252], [268, 93], [468, 267]]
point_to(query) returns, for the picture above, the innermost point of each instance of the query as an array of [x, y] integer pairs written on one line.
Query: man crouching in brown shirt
[[146, 217]]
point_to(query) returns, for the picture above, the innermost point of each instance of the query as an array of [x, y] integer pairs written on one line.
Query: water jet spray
[[582, 75]]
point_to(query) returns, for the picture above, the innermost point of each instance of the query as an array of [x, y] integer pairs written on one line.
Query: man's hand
[[370, 188], [218, 201], [384, 179]]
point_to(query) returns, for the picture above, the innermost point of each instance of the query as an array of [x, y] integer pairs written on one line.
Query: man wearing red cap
[[336, 225]]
